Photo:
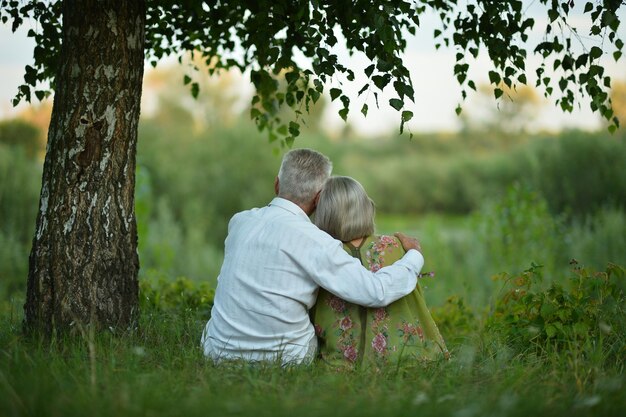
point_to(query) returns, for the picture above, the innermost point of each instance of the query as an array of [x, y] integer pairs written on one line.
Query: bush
[[181, 296], [189, 185], [518, 228], [586, 317], [576, 172], [600, 238], [21, 134], [579, 173], [20, 178]]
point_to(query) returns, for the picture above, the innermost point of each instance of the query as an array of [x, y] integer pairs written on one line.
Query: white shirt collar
[[289, 206]]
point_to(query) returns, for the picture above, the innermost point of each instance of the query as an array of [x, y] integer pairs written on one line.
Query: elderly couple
[[291, 290]]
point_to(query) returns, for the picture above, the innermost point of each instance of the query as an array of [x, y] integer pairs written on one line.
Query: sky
[[437, 92]]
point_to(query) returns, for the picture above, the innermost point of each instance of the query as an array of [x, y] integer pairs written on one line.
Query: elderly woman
[[349, 334]]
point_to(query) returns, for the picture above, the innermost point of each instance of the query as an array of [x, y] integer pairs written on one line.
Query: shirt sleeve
[[341, 274]]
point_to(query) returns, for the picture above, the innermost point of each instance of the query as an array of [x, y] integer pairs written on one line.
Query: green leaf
[[381, 81], [595, 52], [294, 129], [581, 329], [553, 15], [568, 63], [195, 90], [497, 92], [588, 7], [334, 93], [494, 77], [458, 110], [40, 94], [396, 103], [399, 87], [343, 113], [30, 75], [314, 94], [292, 76], [186, 79], [611, 19], [290, 99], [383, 66], [408, 91], [547, 311], [407, 115]]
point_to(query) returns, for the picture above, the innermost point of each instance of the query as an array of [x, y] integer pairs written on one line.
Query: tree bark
[[83, 264]]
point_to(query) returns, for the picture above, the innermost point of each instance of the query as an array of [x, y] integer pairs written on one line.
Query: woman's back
[[351, 335]]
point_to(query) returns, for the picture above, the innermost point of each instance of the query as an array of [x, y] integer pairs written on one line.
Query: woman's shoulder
[[382, 250], [386, 240]]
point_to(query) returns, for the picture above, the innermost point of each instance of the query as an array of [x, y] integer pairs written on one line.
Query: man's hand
[[408, 242]]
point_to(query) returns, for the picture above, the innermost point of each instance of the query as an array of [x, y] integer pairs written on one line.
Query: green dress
[[350, 335]]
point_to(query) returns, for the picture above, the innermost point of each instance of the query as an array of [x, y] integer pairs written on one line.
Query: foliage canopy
[[269, 38]]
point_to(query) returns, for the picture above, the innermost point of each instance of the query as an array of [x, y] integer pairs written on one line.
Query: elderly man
[[275, 260]]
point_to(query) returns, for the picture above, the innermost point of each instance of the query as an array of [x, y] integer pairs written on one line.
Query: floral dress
[[350, 335]]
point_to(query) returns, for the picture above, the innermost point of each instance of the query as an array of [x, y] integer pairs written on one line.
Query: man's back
[[263, 293]]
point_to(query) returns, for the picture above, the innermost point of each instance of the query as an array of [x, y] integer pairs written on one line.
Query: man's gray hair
[[344, 210], [302, 175]]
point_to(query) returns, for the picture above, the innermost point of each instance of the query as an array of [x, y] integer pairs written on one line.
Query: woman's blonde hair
[[344, 210]]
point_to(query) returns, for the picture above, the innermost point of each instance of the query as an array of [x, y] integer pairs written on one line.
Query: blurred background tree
[[20, 133], [514, 114], [225, 95], [618, 98]]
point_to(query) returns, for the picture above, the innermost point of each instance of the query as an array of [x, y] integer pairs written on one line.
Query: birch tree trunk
[[83, 263]]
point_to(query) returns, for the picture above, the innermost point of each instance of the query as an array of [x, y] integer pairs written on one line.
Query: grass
[[566, 366], [131, 379], [159, 370], [497, 366]]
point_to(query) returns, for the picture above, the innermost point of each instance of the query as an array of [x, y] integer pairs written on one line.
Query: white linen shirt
[[275, 260]]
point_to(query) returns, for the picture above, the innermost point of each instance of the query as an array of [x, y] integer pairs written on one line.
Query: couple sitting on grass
[[291, 290]]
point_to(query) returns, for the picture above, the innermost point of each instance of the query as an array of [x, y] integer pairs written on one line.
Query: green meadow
[[526, 235]]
